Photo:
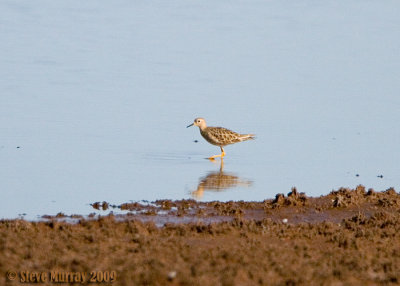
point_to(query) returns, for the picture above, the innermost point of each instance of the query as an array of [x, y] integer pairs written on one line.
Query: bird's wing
[[224, 136]]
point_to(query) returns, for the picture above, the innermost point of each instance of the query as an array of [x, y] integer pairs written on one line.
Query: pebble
[[171, 275]]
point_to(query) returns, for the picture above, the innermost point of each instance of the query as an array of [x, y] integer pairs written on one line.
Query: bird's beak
[[190, 125]]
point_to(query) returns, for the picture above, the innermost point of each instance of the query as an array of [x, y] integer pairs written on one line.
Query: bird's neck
[[203, 127]]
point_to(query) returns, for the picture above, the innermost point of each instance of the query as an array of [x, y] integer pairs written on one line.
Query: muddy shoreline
[[350, 236]]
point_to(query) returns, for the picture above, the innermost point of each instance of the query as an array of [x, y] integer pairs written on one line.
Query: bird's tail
[[244, 137]]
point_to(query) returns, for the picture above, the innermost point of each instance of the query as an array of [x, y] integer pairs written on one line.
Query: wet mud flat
[[348, 237]]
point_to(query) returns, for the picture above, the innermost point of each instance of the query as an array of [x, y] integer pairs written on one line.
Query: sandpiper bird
[[219, 136]]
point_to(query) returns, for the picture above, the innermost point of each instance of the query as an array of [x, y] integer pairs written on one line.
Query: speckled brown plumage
[[221, 136]]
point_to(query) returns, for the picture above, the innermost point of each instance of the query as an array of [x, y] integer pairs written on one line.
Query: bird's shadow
[[217, 181]]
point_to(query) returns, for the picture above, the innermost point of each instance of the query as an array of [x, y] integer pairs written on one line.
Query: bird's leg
[[221, 155], [222, 152]]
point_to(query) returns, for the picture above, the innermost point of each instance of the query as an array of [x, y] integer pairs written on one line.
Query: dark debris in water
[[103, 206]]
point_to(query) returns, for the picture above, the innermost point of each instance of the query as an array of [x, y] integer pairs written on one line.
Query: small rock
[[104, 206], [171, 275], [279, 199], [380, 176], [96, 205], [339, 201], [285, 220]]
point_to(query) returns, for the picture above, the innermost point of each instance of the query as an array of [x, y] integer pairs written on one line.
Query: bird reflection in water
[[217, 181]]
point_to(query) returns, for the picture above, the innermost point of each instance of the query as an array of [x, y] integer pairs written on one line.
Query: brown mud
[[349, 237]]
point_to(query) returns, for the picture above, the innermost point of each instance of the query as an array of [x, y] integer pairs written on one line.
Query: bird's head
[[200, 122]]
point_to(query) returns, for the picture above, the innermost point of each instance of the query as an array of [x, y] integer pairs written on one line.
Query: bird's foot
[[212, 158], [217, 156]]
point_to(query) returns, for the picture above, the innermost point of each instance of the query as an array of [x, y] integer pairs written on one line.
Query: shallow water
[[96, 95]]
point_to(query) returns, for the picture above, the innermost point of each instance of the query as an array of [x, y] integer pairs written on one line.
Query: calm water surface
[[95, 97]]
